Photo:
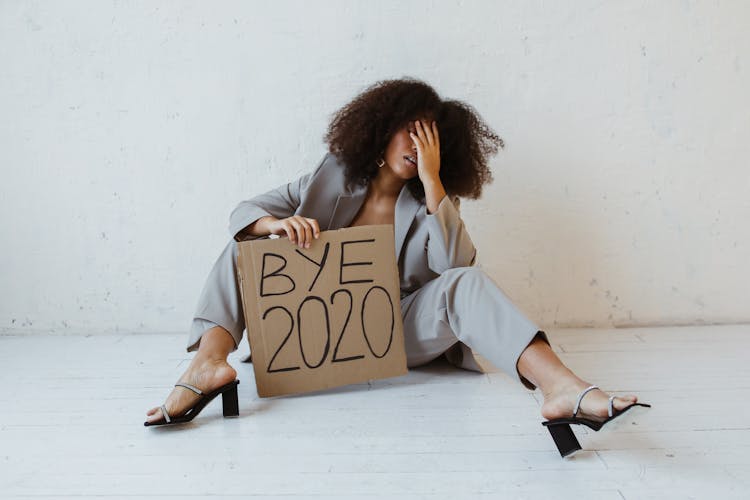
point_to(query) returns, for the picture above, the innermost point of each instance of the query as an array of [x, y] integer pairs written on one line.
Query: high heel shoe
[[229, 401], [563, 436]]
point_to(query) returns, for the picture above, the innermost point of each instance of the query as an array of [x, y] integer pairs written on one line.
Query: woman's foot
[[203, 373], [561, 400]]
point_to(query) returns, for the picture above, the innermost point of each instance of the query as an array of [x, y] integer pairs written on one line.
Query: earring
[[380, 162]]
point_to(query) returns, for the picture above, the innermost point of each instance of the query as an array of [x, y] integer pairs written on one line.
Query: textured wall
[[129, 131]]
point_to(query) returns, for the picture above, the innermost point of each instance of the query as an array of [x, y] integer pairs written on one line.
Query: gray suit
[[447, 305]]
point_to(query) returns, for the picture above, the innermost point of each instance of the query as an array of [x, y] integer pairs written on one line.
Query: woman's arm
[[253, 218], [261, 227], [448, 242]]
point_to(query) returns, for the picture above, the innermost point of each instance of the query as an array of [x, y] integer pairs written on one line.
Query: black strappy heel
[[229, 401], [562, 434]]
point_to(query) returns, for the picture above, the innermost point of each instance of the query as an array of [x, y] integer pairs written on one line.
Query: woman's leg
[[216, 331], [464, 304], [208, 370], [560, 386], [220, 301]]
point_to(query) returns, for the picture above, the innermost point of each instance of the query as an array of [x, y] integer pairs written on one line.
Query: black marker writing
[[344, 264], [320, 264], [274, 274]]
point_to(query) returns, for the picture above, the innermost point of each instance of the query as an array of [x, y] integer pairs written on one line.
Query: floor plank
[[73, 408]]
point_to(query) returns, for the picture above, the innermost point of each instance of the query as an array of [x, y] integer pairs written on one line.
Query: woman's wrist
[[434, 192], [262, 226]]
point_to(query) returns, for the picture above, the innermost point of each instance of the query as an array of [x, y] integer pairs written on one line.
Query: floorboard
[[73, 407]]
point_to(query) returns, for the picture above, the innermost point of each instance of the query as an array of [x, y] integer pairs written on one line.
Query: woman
[[398, 154]]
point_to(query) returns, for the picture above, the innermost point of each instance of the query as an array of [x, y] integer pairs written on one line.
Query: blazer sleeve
[[448, 242], [281, 203]]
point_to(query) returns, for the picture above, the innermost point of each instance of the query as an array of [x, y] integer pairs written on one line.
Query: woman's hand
[[300, 230], [427, 141], [428, 151]]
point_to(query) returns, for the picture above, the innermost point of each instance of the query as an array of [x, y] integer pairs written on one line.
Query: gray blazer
[[426, 244]]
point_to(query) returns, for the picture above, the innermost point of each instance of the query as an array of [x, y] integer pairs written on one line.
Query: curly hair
[[360, 131]]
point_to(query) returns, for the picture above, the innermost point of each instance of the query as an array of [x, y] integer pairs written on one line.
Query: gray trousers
[[460, 311]]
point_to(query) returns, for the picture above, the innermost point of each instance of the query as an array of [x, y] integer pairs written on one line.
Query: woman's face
[[401, 153]]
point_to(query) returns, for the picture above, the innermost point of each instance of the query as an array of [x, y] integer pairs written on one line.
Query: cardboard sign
[[324, 316]]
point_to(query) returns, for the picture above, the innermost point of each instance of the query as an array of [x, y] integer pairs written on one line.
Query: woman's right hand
[[299, 230]]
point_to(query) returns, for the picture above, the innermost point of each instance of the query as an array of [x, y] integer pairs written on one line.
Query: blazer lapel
[[406, 209], [347, 206], [349, 203]]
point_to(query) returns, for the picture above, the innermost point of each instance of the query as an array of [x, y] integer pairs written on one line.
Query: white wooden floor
[[72, 411]]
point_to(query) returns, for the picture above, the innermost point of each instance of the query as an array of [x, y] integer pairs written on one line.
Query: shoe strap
[[164, 412], [580, 397], [611, 408], [188, 386]]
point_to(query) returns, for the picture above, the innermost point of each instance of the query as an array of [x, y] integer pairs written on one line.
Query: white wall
[[130, 130]]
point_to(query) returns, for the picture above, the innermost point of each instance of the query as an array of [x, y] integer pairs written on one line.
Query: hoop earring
[[380, 162]]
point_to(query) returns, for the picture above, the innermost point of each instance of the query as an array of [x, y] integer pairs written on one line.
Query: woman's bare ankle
[[215, 345]]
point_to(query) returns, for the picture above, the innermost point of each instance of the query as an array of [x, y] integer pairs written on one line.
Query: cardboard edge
[[245, 264]]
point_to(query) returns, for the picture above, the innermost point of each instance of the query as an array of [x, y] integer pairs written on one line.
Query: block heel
[[230, 401], [564, 439]]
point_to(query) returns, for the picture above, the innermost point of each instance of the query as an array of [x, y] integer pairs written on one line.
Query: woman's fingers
[[428, 149], [426, 131], [315, 227], [308, 233], [419, 131], [300, 230], [288, 229], [426, 138], [304, 231], [417, 141]]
